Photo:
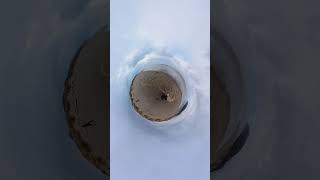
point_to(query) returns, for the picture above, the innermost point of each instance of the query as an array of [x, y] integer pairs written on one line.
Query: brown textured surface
[[85, 101], [156, 95]]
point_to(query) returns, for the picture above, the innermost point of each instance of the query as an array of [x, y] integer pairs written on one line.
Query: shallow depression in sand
[[155, 95]]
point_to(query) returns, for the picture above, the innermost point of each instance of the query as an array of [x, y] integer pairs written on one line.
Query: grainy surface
[[156, 95]]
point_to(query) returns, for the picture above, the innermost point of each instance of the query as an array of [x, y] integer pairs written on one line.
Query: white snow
[[174, 33]]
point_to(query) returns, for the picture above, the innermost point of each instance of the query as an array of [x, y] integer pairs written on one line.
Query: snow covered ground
[[177, 33]]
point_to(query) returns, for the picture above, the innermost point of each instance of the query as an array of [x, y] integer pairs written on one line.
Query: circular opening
[[157, 94], [164, 97]]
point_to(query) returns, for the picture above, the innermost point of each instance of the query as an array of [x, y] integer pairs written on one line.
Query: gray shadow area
[[277, 45], [39, 40]]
